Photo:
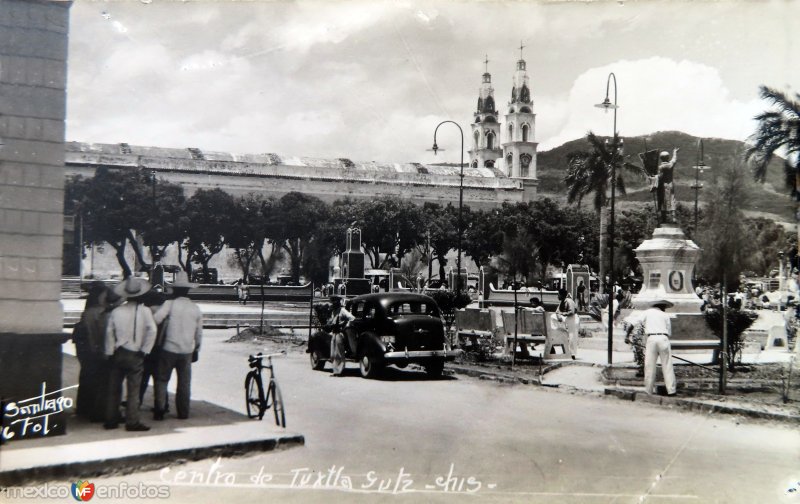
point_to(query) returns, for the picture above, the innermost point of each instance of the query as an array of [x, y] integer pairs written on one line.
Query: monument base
[[355, 286], [668, 262]]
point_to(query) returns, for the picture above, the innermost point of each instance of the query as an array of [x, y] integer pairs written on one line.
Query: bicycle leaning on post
[[257, 401]]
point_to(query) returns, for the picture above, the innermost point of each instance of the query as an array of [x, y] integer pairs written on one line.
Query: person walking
[[337, 322], [581, 290], [89, 337], [658, 330], [182, 338], [567, 313], [130, 335], [242, 291]]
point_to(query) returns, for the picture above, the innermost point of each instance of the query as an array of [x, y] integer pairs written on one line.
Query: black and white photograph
[[317, 251]]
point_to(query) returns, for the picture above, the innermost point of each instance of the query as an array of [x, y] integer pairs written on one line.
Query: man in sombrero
[[657, 329], [130, 335], [184, 333]]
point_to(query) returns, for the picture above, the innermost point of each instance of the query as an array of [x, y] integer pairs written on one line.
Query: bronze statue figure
[[663, 186]]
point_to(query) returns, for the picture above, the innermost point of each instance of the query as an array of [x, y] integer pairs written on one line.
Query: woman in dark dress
[[89, 337]]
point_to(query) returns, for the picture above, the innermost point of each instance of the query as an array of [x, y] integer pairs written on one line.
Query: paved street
[[452, 437]]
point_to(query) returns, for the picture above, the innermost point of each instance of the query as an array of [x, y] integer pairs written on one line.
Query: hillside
[[771, 198]]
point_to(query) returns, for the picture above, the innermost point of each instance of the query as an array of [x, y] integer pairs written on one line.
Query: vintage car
[[389, 328]]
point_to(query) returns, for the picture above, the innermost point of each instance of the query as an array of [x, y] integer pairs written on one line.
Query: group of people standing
[[129, 333]]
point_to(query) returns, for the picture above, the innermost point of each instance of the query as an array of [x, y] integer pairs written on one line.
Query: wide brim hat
[[182, 281], [660, 302], [132, 287]]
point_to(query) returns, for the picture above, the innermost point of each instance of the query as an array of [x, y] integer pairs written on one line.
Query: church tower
[[485, 129], [519, 150]]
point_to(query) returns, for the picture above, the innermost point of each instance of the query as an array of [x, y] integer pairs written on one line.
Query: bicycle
[[257, 402]]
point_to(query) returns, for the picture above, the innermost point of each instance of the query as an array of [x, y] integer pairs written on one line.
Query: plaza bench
[[533, 328], [473, 326]]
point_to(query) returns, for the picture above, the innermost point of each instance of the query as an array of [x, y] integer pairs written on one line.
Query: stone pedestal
[[352, 269], [668, 262]]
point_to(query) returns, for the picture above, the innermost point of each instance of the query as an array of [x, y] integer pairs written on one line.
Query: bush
[[449, 302], [738, 322]]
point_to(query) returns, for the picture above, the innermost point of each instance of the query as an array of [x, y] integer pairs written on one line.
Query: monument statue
[[661, 184]]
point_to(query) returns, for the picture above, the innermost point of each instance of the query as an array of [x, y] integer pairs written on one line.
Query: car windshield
[[411, 308]]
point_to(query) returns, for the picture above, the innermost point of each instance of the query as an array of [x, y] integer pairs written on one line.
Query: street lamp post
[[698, 169], [460, 197], [608, 105]]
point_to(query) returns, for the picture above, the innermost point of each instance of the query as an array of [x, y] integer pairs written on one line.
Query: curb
[[688, 404], [699, 405], [490, 374], [144, 461]]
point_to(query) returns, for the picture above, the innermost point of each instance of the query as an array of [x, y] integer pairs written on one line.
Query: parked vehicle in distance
[[199, 276], [389, 328]]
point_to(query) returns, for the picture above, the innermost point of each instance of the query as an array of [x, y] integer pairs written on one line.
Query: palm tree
[[778, 131], [589, 172]]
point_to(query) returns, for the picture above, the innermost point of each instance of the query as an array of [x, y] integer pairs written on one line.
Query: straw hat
[[660, 302], [131, 287], [182, 281]]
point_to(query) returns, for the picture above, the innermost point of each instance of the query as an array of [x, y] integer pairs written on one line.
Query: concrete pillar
[[33, 70]]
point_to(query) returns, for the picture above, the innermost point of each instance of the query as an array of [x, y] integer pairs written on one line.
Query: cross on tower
[[521, 47], [486, 62]]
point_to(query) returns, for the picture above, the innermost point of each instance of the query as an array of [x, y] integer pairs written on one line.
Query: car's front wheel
[[317, 360], [370, 368], [435, 369]]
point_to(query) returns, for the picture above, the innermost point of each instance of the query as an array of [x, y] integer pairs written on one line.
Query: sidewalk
[[587, 374], [87, 450]]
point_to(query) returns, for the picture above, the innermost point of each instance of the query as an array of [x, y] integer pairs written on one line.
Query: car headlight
[[388, 339]]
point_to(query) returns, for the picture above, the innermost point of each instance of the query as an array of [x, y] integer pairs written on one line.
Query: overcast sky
[[371, 80]]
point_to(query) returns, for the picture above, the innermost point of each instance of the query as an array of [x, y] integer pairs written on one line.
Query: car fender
[[370, 344], [321, 342]]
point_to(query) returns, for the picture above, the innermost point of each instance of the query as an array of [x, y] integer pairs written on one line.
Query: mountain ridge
[[770, 198]]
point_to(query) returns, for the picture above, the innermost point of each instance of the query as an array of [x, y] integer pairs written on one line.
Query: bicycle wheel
[[277, 403], [254, 395]]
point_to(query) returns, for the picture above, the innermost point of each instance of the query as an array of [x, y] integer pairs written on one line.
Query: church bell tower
[[519, 150], [485, 129]]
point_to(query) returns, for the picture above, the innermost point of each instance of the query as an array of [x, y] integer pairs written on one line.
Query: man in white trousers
[[567, 312], [337, 323], [657, 329]]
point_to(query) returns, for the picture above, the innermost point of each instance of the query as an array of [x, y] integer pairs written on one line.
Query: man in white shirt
[[340, 318], [130, 335], [657, 329], [183, 335], [567, 312]]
